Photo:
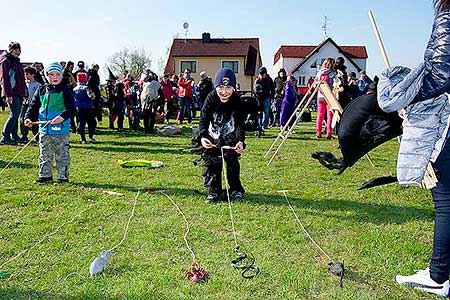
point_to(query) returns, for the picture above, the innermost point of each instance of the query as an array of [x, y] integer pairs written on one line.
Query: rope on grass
[[185, 220], [125, 234]]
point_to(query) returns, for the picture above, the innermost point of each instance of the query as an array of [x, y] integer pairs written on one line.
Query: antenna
[[325, 26], [185, 26]]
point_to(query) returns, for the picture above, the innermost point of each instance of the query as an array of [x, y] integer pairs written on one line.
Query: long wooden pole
[[380, 41]]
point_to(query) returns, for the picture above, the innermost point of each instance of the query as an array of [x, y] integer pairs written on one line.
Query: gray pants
[[59, 145]]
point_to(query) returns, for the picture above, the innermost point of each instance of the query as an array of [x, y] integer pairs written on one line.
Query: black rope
[[249, 269]]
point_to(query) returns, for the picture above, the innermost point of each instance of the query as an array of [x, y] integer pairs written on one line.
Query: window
[[302, 81], [233, 65], [191, 65]]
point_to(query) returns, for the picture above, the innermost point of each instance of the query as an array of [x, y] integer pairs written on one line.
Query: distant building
[[303, 61], [210, 54]]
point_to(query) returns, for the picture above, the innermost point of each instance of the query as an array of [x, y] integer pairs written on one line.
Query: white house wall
[[327, 50], [287, 63]]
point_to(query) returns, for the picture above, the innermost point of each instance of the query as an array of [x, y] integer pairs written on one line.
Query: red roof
[[304, 51], [248, 48]]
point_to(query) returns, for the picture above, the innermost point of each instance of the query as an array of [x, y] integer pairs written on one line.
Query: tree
[[134, 61]]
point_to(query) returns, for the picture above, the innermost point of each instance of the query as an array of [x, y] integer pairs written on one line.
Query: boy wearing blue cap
[[52, 105], [222, 124]]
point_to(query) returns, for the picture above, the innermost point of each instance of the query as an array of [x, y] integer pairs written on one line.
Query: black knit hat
[[225, 76]]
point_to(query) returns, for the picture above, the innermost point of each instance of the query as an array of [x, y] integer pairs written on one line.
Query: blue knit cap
[[56, 66], [225, 76]]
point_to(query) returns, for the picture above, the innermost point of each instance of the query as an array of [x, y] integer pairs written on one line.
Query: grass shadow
[[16, 164]]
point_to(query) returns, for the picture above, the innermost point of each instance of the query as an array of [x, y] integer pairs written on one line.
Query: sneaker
[[43, 180], [92, 141], [83, 142], [23, 140], [61, 181], [213, 198], [422, 281], [4, 141], [236, 196]]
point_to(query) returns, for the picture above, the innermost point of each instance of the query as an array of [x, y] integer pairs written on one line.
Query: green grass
[[378, 233]]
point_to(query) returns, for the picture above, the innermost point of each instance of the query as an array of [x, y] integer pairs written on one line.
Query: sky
[[92, 30]]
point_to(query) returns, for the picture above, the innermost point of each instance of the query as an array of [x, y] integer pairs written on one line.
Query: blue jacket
[[426, 128], [422, 92], [82, 99], [48, 102], [436, 80]]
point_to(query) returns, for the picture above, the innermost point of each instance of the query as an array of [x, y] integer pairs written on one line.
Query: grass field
[[378, 233]]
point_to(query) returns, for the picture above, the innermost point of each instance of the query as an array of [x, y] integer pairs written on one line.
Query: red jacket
[[167, 90], [185, 87]]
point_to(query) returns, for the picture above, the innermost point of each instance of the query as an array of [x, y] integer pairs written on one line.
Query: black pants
[[24, 129], [440, 261], [212, 171], [86, 116], [148, 115], [114, 114]]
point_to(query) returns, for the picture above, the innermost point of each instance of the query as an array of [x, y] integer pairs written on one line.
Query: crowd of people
[[278, 98], [142, 99]]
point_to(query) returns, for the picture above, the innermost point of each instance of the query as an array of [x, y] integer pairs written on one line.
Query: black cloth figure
[[93, 84], [364, 126], [223, 125], [115, 100]]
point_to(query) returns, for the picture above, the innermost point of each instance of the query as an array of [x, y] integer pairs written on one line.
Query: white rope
[[18, 153], [229, 200], [128, 224], [24, 147], [46, 236], [304, 229], [185, 220]]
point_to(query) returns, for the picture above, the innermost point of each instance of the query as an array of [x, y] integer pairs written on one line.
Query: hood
[[399, 86]]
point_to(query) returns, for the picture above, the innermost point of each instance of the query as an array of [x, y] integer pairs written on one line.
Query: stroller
[[250, 108]]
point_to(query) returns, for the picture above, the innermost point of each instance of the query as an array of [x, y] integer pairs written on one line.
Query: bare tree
[[134, 61], [162, 61]]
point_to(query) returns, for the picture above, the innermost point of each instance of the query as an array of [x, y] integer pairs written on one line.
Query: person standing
[[185, 84], [149, 97], [12, 80], [85, 109], [289, 100], [167, 90], [424, 91], [327, 74], [32, 86], [280, 85], [94, 87], [53, 104], [266, 93], [204, 87], [363, 82]]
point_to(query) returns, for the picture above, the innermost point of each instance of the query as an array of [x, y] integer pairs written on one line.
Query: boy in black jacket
[[222, 124]]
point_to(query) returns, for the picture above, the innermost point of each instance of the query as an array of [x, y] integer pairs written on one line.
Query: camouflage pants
[[58, 145]]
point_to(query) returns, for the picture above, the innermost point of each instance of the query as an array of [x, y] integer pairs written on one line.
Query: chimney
[[206, 37]]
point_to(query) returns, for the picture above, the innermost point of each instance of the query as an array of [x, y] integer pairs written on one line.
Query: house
[[210, 54], [303, 61]]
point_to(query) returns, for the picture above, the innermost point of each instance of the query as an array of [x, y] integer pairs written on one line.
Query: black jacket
[[280, 84], [222, 123], [205, 87]]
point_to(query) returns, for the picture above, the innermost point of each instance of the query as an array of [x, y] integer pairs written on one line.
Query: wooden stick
[[380, 41], [40, 122]]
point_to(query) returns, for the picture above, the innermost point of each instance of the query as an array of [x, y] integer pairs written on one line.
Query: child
[[52, 103], [85, 109], [222, 124], [327, 74], [32, 86]]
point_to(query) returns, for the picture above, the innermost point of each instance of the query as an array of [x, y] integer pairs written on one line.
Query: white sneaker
[[422, 281]]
